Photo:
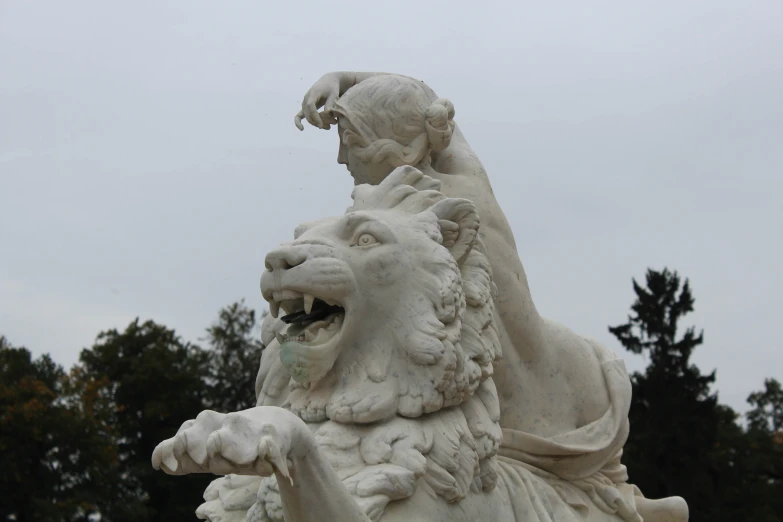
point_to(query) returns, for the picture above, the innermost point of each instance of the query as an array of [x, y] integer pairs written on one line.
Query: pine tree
[[675, 418]]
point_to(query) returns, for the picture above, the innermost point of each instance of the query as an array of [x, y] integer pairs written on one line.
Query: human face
[[362, 171]]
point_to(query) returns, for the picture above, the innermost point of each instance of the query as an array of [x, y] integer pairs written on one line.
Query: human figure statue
[[564, 398]]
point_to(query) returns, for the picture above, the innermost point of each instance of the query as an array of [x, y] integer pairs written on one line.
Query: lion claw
[[270, 452]]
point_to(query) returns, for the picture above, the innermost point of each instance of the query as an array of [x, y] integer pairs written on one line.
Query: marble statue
[[407, 374]]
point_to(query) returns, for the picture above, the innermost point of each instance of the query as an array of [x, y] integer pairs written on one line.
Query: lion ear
[[459, 224]]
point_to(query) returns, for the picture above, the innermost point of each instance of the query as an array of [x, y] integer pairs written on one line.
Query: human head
[[390, 121]]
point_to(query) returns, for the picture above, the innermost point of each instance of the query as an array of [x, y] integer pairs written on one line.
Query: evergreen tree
[[675, 418]]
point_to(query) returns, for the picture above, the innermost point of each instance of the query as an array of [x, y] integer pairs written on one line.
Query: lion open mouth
[[311, 321]]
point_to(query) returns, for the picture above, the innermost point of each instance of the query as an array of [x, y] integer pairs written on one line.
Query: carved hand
[[324, 93], [257, 441]]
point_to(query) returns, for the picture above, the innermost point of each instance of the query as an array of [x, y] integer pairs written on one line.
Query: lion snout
[[306, 268], [295, 253], [285, 258]]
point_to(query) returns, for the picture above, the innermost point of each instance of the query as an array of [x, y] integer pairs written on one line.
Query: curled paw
[[186, 452], [257, 441]]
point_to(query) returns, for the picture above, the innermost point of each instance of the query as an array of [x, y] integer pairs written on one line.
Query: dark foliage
[[682, 441], [235, 353], [146, 382]]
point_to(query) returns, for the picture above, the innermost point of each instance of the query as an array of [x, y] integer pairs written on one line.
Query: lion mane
[[436, 368]]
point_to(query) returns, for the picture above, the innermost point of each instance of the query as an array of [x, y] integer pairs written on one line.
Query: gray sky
[[148, 157]]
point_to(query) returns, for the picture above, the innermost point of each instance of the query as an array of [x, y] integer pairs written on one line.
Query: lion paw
[[251, 442]]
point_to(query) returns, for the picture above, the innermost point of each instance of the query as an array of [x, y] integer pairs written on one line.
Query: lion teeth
[[308, 303], [274, 308], [322, 335], [308, 336], [290, 338]]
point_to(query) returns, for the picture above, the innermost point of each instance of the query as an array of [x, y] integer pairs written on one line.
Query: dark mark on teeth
[[319, 311]]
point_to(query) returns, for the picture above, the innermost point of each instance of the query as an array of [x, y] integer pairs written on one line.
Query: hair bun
[[439, 121]]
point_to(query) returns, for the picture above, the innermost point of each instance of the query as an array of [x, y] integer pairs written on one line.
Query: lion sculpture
[[376, 387], [381, 338]]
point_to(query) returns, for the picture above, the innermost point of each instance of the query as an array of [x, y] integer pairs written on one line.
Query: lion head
[[389, 307], [381, 336]]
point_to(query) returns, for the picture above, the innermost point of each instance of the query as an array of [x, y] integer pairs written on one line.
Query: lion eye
[[366, 240]]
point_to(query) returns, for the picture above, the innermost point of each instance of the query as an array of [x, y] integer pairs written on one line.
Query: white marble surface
[[381, 392]]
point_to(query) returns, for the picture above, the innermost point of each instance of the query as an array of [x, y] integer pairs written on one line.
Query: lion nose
[[284, 258]]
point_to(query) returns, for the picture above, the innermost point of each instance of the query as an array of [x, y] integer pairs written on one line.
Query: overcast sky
[[149, 160]]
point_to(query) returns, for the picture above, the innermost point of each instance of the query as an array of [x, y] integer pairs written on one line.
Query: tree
[[79, 444], [53, 456], [767, 413], [765, 455], [144, 383], [235, 355], [675, 419]]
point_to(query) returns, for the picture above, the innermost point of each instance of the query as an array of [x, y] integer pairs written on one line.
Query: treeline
[[76, 445]]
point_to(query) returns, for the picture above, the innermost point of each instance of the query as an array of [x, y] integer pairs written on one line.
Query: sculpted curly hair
[[395, 120]]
